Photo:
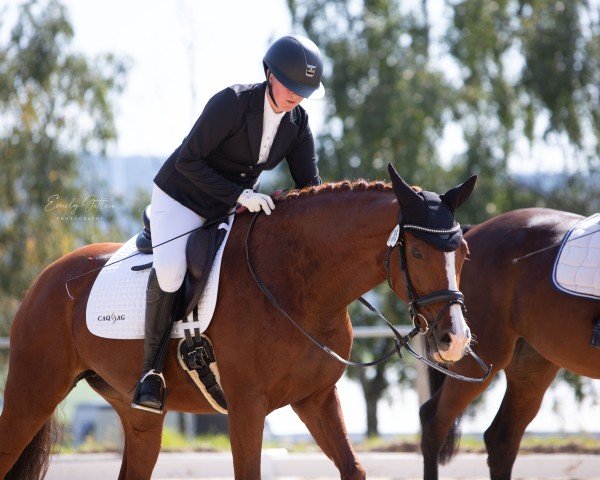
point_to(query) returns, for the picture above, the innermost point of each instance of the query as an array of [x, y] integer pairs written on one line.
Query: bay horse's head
[[431, 251]]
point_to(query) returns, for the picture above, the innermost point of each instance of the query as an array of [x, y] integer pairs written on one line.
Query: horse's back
[[513, 247], [518, 232]]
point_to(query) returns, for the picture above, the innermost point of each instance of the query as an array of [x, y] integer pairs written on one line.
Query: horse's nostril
[[445, 339]]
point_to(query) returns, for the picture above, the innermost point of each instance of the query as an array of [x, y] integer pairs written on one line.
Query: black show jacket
[[218, 159]]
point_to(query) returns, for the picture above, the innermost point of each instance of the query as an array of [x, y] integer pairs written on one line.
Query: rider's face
[[285, 98]]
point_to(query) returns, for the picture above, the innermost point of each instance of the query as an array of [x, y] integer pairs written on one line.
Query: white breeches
[[169, 219]]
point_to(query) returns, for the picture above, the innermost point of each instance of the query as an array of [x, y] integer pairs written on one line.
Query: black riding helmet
[[296, 62]]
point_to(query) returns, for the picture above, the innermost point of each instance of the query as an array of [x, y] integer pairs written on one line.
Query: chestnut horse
[[521, 324], [321, 249]]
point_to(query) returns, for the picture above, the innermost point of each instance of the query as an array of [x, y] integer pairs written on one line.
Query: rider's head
[[296, 63]]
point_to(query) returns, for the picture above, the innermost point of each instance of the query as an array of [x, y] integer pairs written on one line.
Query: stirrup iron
[[135, 402]]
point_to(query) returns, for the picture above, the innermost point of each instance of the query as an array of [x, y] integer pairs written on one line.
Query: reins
[[401, 341]]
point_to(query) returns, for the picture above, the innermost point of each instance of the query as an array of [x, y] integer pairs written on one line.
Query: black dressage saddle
[[201, 250]]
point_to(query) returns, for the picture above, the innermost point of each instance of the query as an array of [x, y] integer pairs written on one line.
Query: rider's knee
[[170, 278]]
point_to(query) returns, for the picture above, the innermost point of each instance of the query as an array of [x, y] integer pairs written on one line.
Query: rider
[[243, 130]]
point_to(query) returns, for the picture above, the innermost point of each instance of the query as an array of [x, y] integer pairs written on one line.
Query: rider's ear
[[456, 196], [404, 193]]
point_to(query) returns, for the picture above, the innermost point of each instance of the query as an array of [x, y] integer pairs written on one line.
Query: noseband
[[415, 302]]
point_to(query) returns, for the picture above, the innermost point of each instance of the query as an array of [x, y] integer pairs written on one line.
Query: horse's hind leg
[[40, 376], [528, 376], [37, 382], [322, 414], [143, 433]]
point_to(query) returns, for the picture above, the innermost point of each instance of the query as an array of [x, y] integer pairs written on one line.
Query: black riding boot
[[150, 391]]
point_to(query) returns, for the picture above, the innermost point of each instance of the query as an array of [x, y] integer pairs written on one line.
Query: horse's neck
[[339, 247]]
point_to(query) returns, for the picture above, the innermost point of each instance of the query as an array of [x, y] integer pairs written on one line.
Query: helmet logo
[[310, 70]]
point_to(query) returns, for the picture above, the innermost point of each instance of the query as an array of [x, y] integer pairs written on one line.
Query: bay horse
[[522, 324], [321, 249]]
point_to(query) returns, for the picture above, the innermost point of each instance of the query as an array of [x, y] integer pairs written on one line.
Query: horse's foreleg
[[439, 434], [528, 376], [322, 414], [246, 420]]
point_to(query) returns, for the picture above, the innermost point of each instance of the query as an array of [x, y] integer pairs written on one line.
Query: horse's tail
[[452, 442], [33, 462]]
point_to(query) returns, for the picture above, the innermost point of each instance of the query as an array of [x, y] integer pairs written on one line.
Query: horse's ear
[[456, 196], [404, 193]]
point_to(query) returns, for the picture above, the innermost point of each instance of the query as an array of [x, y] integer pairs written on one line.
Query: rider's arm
[[211, 128]]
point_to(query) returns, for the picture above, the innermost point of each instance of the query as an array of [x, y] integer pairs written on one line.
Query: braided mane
[[360, 185]]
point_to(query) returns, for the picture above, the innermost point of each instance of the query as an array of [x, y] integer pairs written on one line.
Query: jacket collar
[[256, 103], [288, 128]]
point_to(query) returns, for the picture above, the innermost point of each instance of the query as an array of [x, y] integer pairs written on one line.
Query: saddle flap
[[201, 250]]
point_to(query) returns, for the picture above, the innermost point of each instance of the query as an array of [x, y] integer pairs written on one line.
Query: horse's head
[[430, 254]]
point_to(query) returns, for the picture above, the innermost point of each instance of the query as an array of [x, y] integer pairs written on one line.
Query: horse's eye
[[415, 252]]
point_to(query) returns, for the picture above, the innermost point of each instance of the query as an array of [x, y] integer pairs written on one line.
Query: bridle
[[452, 297]]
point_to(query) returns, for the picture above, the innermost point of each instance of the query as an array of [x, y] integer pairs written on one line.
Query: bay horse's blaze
[[449, 337], [451, 341], [314, 260]]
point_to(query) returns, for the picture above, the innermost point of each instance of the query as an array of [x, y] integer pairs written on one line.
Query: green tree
[[56, 105], [524, 67]]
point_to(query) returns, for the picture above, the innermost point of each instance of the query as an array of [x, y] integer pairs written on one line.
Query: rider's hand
[[255, 201]]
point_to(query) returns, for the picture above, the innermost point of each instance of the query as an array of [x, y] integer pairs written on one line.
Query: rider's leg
[[168, 219]]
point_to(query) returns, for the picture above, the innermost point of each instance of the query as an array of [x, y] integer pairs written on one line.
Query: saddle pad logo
[[112, 317]]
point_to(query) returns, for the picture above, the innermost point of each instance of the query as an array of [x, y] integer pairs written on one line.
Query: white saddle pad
[[117, 302], [577, 266]]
